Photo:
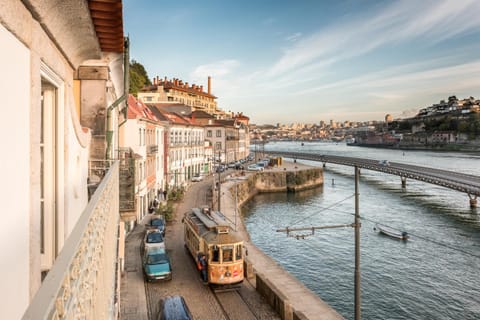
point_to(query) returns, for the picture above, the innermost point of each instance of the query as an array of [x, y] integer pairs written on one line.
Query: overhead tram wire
[[411, 234], [322, 209]]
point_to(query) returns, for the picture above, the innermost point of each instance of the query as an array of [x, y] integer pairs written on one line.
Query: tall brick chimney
[[209, 85]]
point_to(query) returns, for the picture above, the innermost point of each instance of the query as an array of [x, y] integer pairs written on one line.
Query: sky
[[280, 61]]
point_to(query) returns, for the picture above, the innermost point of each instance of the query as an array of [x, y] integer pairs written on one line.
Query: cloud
[[428, 21], [294, 37], [214, 69], [407, 81]]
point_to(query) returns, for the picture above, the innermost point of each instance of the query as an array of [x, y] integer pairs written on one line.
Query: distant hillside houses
[[452, 105]]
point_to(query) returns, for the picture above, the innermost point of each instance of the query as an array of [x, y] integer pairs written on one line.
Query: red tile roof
[[137, 109]]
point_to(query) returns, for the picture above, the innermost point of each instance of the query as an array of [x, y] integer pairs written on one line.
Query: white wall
[[76, 174], [15, 173]]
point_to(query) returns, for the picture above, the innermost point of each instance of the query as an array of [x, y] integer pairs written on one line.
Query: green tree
[[138, 77]]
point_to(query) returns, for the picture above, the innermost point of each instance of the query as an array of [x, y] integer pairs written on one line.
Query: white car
[[384, 163], [254, 167], [153, 239], [197, 178]]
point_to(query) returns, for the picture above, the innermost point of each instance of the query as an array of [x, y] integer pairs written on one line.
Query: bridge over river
[[466, 183]]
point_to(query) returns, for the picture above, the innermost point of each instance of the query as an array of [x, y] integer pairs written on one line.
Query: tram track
[[233, 306], [205, 304], [243, 304]]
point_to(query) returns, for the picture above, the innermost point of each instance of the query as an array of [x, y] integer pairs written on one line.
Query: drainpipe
[[126, 85]]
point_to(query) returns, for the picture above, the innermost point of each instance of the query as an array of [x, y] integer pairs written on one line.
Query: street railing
[[83, 282]]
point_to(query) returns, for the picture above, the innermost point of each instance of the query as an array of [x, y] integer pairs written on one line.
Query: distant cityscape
[[452, 124]]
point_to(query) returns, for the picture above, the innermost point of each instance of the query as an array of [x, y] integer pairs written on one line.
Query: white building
[[50, 50], [144, 135]]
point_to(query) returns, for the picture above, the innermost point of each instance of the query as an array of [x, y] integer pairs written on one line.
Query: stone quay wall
[[289, 298], [277, 181]]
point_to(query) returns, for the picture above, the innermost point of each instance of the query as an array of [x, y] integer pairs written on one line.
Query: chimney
[[209, 85], [158, 80], [201, 88]]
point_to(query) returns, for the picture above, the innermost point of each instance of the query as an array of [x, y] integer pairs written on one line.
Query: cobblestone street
[[186, 280]]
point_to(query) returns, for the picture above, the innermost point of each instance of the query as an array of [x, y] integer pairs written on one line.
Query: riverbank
[[446, 147], [287, 295]]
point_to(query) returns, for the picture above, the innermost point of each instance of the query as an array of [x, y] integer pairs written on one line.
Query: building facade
[[175, 90], [49, 51]]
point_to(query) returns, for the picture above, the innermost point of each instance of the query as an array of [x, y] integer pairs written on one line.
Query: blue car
[[156, 264], [158, 223], [173, 308]]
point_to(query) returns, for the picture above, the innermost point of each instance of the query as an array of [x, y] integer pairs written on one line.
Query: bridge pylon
[[473, 201], [404, 182]]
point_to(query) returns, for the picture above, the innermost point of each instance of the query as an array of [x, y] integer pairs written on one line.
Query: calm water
[[435, 275]]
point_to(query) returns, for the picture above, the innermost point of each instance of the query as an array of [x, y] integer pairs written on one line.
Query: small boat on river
[[400, 235]]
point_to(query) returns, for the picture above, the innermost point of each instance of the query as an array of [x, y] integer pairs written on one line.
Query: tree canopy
[[138, 77]]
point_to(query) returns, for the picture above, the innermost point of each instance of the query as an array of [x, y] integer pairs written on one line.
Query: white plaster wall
[[15, 176], [76, 174], [130, 136], [161, 151]]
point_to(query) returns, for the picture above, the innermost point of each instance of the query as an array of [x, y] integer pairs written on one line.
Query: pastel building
[[176, 90]]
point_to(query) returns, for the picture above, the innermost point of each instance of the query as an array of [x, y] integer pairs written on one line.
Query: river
[[433, 275]]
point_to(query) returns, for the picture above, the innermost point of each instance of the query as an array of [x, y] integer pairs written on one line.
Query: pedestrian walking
[[203, 268]]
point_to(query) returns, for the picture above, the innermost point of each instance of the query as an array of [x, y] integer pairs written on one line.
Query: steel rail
[[462, 182]]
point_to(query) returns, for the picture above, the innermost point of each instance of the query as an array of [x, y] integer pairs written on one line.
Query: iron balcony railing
[[153, 148], [82, 283]]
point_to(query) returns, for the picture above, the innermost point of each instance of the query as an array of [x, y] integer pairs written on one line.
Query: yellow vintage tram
[[208, 232]]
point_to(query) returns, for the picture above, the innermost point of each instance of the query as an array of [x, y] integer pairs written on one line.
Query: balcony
[[151, 149], [82, 283]]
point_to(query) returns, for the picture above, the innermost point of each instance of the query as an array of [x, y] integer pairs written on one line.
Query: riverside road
[[140, 299]]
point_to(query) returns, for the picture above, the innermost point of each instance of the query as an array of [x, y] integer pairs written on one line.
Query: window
[[50, 132], [209, 133], [218, 146], [219, 133], [227, 252], [215, 254], [238, 252]]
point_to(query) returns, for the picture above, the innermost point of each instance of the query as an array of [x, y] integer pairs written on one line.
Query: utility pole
[[356, 225], [358, 311], [219, 182]]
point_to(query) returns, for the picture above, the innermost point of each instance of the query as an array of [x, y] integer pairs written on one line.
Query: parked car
[[220, 168], [254, 167], [153, 239], [159, 224], [173, 308], [384, 163], [261, 164], [197, 178], [156, 264]]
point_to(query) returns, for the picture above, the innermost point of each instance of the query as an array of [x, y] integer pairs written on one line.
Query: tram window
[[238, 252], [227, 252], [215, 254]]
